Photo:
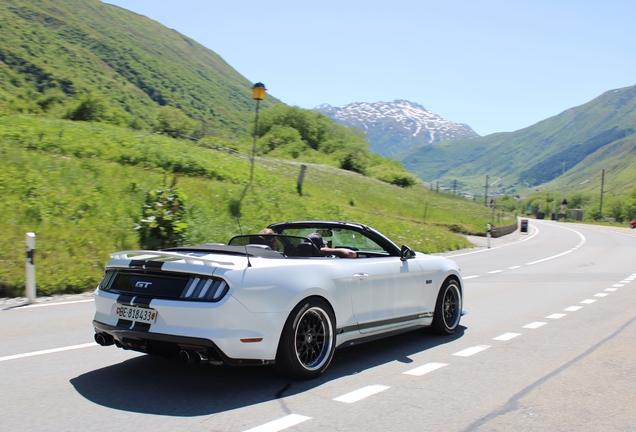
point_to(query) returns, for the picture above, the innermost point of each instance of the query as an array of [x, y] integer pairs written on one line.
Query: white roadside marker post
[[488, 234], [30, 267]]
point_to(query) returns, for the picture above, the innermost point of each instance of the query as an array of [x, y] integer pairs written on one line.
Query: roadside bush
[[162, 224]]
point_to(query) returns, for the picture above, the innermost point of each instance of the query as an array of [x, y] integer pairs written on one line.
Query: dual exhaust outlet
[[197, 356], [104, 339]]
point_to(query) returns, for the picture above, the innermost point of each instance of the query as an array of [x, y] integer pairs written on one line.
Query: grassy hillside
[[586, 139], [57, 54], [80, 188]]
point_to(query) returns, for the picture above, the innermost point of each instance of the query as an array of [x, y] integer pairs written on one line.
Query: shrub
[[173, 122], [91, 108], [162, 224]]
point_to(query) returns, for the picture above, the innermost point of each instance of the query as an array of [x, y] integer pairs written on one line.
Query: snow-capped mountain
[[392, 127]]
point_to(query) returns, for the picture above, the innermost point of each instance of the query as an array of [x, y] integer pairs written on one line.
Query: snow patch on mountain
[[409, 116]]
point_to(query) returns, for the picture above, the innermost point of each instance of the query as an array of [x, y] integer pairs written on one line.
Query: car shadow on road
[[154, 385]]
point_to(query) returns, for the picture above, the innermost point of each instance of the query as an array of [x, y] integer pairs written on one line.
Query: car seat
[[308, 249]]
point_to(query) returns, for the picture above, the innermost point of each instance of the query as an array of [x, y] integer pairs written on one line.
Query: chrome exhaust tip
[[103, 340], [184, 356], [200, 357]]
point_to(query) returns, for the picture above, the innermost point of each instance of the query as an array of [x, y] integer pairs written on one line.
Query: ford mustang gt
[[284, 297]]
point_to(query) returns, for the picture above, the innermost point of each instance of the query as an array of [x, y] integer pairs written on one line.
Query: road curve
[[547, 344]]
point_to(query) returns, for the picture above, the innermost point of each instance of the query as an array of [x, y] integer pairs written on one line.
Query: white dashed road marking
[[534, 325], [280, 424], [471, 351], [588, 301], [471, 277], [618, 286], [573, 308], [556, 316], [507, 336], [495, 271], [429, 367], [611, 289], [601, 295], [360, 394]]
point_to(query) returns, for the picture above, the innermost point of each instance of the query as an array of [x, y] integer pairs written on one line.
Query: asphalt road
[[548, 345]]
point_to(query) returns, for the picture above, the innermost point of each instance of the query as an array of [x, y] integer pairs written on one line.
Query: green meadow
[[81, 187]]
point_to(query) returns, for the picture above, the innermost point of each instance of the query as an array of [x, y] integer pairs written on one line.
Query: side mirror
[[406, 253]]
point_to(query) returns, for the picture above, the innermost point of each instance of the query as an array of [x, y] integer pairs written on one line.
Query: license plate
[[134, 313]]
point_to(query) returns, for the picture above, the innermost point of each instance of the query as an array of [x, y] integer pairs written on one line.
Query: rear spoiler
[[146, 255]]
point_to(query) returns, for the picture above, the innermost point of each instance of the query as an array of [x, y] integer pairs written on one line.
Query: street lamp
[[258, 94]]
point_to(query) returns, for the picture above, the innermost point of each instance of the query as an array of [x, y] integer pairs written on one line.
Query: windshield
[[340, 237]]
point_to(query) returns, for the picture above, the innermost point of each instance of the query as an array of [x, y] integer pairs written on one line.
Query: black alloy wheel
[[448, 308], [308, 340]]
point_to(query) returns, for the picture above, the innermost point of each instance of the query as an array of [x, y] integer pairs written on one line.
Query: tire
[[448, 308], [308, 340]]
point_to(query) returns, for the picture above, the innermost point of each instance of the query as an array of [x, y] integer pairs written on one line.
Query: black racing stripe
[[146, 264], [141, 327], [125, 299], [347, 329], [372, 324], [124, 323], [388, 321], [142, 301]]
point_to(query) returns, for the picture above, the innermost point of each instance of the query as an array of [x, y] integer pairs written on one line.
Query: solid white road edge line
[[581, 243], [49, 351], [36, 305], [280, 424], [360, 394], [535, 229]]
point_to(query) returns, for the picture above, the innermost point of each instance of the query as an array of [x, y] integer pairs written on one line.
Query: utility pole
[[602, 185], [486, 194]]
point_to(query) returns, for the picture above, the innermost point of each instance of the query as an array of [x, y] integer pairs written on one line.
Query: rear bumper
[[168, 345]]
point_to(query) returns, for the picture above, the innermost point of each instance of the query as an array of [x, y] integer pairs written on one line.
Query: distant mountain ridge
[[396, 126], [568, 150]]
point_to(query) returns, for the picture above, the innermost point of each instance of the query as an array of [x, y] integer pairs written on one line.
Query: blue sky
[[498, 66]]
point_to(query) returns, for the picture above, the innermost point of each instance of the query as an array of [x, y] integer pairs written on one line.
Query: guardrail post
[[30, 267]]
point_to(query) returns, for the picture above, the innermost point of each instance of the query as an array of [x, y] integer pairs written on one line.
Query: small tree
[[93, 107], [163, 220], [174, 122]]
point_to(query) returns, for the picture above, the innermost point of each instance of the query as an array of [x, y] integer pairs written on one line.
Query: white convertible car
[[274, 298]]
